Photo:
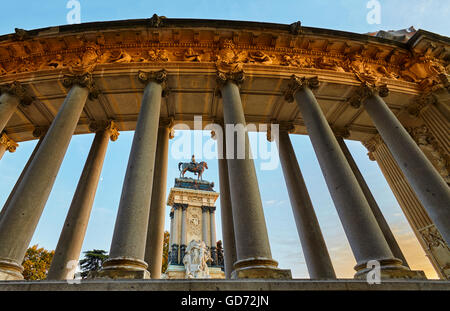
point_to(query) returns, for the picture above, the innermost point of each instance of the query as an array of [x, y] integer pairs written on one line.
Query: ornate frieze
[[296, 83], [8, 143], [17, 89]]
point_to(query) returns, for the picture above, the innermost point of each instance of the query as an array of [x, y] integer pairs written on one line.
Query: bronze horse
[[196, 168]]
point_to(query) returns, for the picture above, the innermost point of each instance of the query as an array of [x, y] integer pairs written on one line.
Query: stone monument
[[192, 252]]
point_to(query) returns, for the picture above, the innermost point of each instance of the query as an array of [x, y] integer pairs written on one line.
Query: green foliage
[[165, 260], [92, 261]]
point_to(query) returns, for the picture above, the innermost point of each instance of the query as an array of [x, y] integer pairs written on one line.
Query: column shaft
[[205, 220], [175, 240], [25, 208], [252, 241], [382, 223], [431, 189], [68, 249], [155, 232], [183, 241], [362, 230], [130, 231], [229, 243], [8, 105], [212, 226], [314, 248]]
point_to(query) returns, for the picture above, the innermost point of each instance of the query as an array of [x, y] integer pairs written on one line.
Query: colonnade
[[138, 232]]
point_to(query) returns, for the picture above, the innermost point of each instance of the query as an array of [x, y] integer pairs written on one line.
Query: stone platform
[[225, 285]]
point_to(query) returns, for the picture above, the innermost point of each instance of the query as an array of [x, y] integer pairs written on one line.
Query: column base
[[10, 270], [389, 269], [122, 268], [259, 268]]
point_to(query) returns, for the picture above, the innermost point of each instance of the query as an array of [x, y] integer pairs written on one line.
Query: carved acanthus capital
[[40, 131], [212, 209], [433, 238], [85, 80], [295, 28], [421, 103], [18, 90], [8, 143], [109, 126], [341, 132], [297, 83], [372, 145], [205, 209], [236, 77], [159, 77], [365, 91]]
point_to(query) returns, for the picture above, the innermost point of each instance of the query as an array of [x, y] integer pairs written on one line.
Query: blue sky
[[431, 15]]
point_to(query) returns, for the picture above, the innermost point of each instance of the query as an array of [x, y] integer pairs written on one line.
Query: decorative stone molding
[[341, 132], [109, 126], [38, 132], [431, 148], [365, 91], [433, 238], [296, 83], [85, 80], [420, 103], [159, 77], [234, 77], [9, 144], [18, 90]]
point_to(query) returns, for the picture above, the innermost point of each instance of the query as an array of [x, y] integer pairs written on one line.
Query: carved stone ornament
[[235, 77], [365, 91], [18, 90], [109, 126], [156, 21], [159, 77], [297, 83], [295, 28], [372, 145], [9, 144], [195, 260], [85, 80], [433, 238], [420, 103]]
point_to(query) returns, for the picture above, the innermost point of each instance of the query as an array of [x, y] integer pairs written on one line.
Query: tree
[[92, 261], [36, 263], [166, 246], [219, 249]]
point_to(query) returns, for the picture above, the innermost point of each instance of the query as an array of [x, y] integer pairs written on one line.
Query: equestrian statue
[[193, 166]]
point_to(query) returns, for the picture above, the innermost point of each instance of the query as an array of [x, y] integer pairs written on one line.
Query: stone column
[[382, 223], [431, 189], [212, 226], [169, 257], [365, 236], [25, 208], [314, 248], [252, 242], [130, 232], [183, 242], [7, 143], [437, 251], [68, 249], [36, 133], [155, 232], [11, 95], [175, 242], [205, 220], [229, 243]]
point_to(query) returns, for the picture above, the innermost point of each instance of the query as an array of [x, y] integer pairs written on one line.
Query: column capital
[[341, 132], [40, 131], [17, 89], [159, 77], [212, 209], [9, 144], [171, 214], [372, 145], [205, 208], [110, 126], [236, 77], [180, 206], [297, 83], [421, 103], [366, 90], [84, 80]]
